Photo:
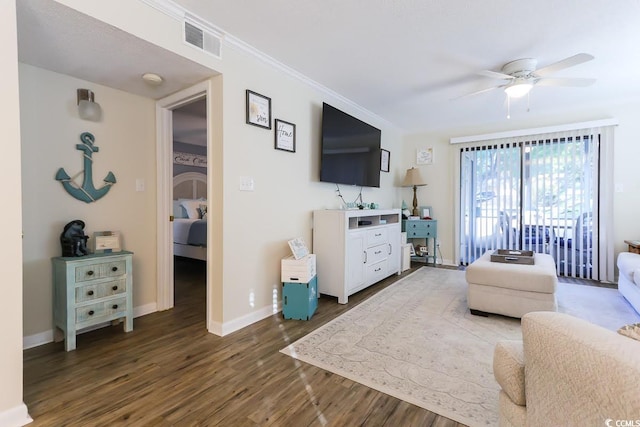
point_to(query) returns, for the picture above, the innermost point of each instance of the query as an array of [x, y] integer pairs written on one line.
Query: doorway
[[537, 195], [189, 102], [189, 207]]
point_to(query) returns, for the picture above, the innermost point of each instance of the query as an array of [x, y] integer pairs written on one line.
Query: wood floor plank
[[169, 371]]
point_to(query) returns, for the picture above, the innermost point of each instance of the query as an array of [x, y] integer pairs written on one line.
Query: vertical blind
[[548, 193]]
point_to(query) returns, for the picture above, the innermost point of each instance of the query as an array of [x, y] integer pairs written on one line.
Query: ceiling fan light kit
[[518, 88]]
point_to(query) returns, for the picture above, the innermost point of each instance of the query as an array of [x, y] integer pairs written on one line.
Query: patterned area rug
[[415, 340]]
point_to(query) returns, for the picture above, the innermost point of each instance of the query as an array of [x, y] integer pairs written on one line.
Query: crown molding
[[179, 13]]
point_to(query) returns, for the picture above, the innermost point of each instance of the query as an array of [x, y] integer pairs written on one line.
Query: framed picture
[[424, 156], [412, 250], [258, 110], [425, 212], [285, 136], [385, 157], [298, 248], [106, 242]]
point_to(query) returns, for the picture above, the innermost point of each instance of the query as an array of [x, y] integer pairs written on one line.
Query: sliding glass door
[[537, 194]]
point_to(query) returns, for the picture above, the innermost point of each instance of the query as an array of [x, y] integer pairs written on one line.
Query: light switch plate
[[246, 183]]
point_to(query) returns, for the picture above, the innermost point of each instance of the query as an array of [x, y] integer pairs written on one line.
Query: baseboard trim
[[222, 329], [15, 417], [46, 337]]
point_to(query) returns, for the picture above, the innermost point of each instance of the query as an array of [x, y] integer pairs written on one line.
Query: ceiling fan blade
[[494, 74], [478, 92], [565, 63], [573, 82]]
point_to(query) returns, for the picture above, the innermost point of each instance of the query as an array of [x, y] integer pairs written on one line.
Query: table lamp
[[414, 179]]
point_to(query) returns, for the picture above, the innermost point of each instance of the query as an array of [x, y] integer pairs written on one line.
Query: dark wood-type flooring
[[170, 372]]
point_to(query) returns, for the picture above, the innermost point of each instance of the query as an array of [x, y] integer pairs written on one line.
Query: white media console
[[355, 249]]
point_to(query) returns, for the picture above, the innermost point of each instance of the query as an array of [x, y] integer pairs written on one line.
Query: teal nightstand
[[91, 290], [425, 229]]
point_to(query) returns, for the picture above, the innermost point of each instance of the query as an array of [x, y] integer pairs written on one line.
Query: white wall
[[126, 140], [255, 225], [440, 191], [287, 189], [12, 411]]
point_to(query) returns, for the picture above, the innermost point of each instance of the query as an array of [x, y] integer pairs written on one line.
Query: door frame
[[164, 168]]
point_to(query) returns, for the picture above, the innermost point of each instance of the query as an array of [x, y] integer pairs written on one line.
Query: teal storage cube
[[300, 300]]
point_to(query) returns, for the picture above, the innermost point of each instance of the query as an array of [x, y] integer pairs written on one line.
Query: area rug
[[415, 340]]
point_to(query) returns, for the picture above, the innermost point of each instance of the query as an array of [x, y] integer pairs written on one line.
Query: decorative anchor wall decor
[[87, 193]]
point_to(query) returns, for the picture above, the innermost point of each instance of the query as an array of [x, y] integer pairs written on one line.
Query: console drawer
[[377, 237]]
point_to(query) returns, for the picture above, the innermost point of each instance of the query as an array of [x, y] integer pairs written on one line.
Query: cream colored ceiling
[[404, 60], [57, 38]]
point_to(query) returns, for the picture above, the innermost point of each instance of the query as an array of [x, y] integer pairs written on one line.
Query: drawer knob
[[115, 288], [114, 268], [90, 293], [90, 273], [91, 312], [114, 306]]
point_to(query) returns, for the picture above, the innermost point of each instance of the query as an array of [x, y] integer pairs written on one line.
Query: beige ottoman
[[511, 289]]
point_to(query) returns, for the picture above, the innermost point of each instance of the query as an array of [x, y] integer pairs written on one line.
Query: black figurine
[[73, 240]]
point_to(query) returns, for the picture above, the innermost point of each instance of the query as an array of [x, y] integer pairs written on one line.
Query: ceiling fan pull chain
[[508, 107]]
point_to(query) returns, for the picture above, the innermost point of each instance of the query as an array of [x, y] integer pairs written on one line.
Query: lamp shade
[[413, 178], [87, 108]]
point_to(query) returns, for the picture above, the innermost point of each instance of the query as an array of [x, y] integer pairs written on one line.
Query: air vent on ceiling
[[199, 37]]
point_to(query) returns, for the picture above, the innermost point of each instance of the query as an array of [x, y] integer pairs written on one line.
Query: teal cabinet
[[300, 300], [89, 291], [422, 230]]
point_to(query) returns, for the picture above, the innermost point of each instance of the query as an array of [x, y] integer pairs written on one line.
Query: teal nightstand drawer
[[100, 290], [421, 233], [105, 309], [98, 271], [421, 228]]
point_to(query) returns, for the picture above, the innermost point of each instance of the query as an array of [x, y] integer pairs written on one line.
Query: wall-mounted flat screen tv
[[350, 149]]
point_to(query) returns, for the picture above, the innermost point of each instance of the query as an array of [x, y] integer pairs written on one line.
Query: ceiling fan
[[521, 75]]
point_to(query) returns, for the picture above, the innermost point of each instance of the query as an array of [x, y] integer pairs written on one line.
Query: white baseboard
[[46, 337], [222, 329], [15, 417], [35, 340]]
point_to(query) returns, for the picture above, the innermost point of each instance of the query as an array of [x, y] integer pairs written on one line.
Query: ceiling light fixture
[[518, 88], [87, 107], [153, 79]]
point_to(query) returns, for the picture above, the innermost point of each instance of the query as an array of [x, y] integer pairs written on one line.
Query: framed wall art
[[385, 157], [258, 110], [285, 136], [424, 156]]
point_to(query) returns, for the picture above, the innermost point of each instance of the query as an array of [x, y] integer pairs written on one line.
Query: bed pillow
[[191, 207], [178, 210]]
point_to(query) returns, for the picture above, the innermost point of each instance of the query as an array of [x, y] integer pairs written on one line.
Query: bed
[[190, 215]]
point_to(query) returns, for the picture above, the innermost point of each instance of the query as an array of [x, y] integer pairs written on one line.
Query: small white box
[[406, 257], [298, 270]]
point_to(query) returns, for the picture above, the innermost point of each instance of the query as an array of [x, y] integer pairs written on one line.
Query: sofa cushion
[[508, 369], [540, 277]]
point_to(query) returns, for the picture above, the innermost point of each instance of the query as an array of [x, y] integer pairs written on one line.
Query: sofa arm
[[508, 369], [578, 373]]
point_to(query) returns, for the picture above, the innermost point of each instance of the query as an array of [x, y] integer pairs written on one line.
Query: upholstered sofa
[[567, 372], [629, 278]]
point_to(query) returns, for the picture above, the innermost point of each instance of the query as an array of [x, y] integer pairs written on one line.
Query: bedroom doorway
[[181, 115], [189, 206]]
